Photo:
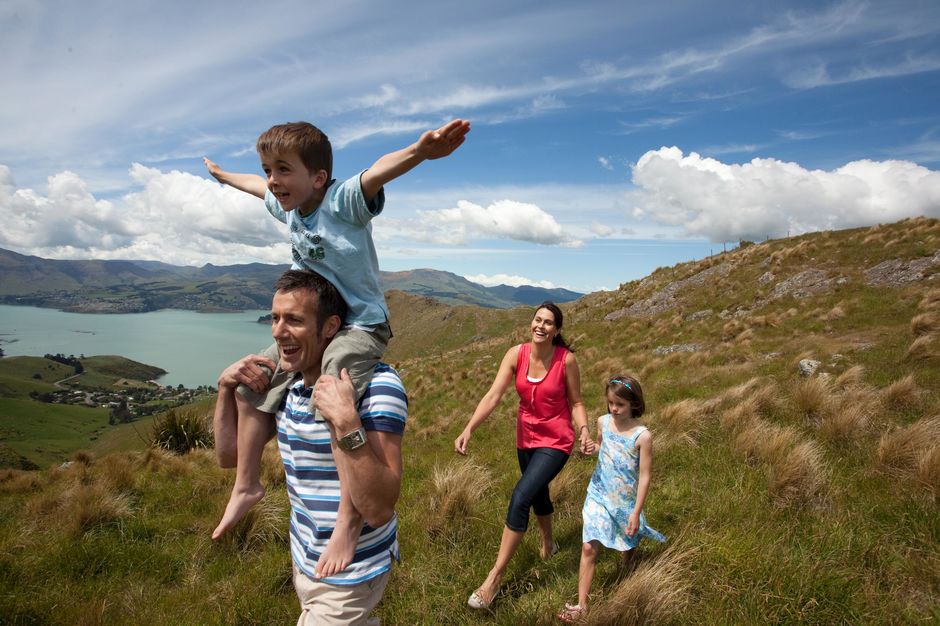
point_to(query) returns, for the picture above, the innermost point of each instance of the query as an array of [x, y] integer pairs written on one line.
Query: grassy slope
[[777, 512]]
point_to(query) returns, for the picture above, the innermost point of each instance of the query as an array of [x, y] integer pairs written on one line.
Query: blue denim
[[539, 466]]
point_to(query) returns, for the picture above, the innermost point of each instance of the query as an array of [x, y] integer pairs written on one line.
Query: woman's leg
[[507, 547], [541, 467]]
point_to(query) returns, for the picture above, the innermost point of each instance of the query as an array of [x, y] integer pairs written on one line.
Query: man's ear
[[331, 326]]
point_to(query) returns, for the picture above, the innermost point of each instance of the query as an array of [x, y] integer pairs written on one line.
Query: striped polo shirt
[[313, 482]]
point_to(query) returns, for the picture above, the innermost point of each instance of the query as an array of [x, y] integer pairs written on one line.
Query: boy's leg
[[255, 413], [253, 433], [357, 351]]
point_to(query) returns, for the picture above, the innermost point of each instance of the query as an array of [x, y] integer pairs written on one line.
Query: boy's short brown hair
[[303, 139]]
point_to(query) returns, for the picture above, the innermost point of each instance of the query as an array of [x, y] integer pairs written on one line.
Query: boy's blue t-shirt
[[335, 241]]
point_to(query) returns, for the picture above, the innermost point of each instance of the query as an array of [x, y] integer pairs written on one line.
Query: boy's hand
[[214, 169], [435, 144], [336, 400]]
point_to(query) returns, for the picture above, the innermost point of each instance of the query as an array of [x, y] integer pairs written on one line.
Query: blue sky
[[609, 138]]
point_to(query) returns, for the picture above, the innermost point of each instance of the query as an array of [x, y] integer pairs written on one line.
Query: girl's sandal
[[572, 613]]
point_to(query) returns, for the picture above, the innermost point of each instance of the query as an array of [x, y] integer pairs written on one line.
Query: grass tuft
[[923, 348], [798, 476], [851, 377], [848, 424], [925, 324], [902, 449], [182, 431], [901, 394], [84, 507], [457, 491], [760, 441], [657, 591], [813, 397]]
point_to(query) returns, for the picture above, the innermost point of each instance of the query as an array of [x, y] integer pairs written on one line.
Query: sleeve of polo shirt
[[384, 406], [349, 204], [274, 207]]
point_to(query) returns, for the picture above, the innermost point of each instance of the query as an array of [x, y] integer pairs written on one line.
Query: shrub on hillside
[[181, 431]]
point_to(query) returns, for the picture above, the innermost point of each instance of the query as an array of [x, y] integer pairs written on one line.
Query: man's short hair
[[301, 138], [329, 301]]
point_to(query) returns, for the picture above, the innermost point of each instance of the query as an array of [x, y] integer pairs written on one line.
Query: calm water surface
[[192, 347]]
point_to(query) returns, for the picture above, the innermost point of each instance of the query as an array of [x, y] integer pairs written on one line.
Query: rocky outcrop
[[667, 297], [898, 272]]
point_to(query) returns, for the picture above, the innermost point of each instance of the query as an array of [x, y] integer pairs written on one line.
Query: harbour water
[[192, 347]]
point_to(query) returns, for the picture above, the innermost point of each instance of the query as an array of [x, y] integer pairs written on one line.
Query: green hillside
[[787, 498]]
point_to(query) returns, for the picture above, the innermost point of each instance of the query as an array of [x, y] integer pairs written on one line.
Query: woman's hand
[[633, 523], [460, 443], [588, 446]]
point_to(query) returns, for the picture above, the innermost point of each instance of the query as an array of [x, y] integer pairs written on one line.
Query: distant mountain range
[[98, 286]]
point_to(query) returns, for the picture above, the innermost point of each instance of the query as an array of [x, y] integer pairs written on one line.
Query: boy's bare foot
[[340, 550], [238, 504]]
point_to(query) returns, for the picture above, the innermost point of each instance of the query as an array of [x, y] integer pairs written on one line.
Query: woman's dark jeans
[[539, 466]]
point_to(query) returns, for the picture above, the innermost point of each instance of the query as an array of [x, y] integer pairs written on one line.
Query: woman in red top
[[548, 382]]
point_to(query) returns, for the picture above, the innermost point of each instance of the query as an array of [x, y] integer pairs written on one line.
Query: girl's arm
[[578, 413], [645, 443], [489, 402], [600, 433]]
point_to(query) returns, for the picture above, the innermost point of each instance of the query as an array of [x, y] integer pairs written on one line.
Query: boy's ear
[[320, 179]]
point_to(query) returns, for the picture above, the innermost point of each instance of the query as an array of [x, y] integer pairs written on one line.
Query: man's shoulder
[[386, 380], [384, 405]]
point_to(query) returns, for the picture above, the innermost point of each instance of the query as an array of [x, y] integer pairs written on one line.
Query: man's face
[[294, 186], [294, 328]]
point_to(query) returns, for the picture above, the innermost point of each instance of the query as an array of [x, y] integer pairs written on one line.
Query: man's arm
[[249, 183], [225, 417], [433, 144], [371, 474]]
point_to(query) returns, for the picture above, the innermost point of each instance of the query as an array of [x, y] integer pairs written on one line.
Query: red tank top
[[544, 414]]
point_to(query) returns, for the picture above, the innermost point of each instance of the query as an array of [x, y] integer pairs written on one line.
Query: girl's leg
[[586, 571], [254, 430]]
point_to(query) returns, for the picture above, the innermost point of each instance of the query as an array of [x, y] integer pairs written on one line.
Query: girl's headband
[[622, 382]]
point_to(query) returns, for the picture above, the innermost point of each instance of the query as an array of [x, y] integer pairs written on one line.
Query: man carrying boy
[[306, 312], [331, 234]]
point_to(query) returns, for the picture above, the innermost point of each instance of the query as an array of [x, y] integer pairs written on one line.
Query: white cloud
[[605, 163], [507, 279], [503, 219], [601, 230], [767, 197], [819, 75], [175, 217]]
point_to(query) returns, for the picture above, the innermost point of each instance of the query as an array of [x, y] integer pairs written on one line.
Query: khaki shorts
[[322, 604], [355, 349]]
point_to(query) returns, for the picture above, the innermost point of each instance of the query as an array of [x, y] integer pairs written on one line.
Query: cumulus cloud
[[508, 279], [503, 219], [174, 217], [767, 197]]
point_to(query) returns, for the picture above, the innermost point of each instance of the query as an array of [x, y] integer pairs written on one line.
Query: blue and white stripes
[[313, 483]]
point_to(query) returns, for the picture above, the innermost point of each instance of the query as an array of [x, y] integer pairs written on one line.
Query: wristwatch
[[352, 440]]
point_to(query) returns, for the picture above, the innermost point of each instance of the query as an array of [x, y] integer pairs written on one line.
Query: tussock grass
[[930, 301], [928, 469], [265, 523], [923, 348], [740, 415], [835, 313], [762, 442], [925, 324], [683, 418], [657, 591], [850, 377], [182, 430], [84, 507], [456, 494], [902, 449], [901, 394], [20, 481], [272, 468], [797, 477], [117, 472], [848, 424], [813, 397]]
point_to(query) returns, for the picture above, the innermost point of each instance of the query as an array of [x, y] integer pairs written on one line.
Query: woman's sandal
[[572, 613], [476, 600]]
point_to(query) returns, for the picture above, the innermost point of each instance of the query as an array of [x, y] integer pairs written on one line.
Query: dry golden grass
[[930, 301], [272, 468], [685, 417], [19, 481], [762, 442], [265, 522], [901, 394], [657, 591], [835, 313], [797, 477], [850, 377], [813, 397], [848, 424], [457, 489], [903, 448], [928, 469], [925, 324], [84, 507], [745, 336], [923, 348], [117, 472]]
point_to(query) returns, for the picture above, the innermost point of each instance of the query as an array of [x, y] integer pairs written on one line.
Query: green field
[[787, 499]]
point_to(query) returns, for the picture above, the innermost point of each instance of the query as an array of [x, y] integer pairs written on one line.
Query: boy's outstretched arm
[[433, 144], [249, 183]]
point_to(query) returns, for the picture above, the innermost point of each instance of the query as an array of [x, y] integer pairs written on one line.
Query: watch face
[[353, 440]]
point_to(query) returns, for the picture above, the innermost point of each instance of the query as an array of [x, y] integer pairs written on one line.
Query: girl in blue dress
[[613, 509]]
